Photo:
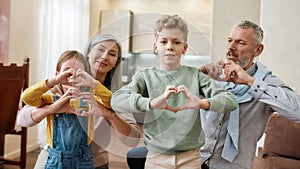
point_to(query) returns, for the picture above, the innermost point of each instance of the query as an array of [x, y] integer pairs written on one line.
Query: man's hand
[[214, 70], [235, 73]]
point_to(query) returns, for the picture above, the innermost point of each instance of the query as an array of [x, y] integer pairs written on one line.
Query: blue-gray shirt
[[269, 95]]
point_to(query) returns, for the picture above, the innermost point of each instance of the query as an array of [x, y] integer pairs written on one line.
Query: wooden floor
[[30, 161], [116, 162], [117, 156]]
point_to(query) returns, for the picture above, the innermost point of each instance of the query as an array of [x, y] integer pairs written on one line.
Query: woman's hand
[[96, 108], [62, 105], [82, 78]]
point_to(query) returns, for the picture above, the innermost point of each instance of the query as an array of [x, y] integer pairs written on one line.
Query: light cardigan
[[38, 96]]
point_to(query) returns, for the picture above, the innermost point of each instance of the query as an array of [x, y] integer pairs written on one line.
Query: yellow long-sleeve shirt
[[38, 96]]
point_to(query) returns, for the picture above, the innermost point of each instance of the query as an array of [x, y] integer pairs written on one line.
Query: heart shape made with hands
[[175, 94]]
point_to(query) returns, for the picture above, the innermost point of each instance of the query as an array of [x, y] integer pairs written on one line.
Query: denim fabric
[[70, 149], [77, 159], [69, 132]]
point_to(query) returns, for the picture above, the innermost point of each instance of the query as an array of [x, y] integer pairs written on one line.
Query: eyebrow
[[179, 39], [111, 49]]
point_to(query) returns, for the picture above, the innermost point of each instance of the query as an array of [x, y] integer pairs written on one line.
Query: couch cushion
[[274, 162], [282, 137]]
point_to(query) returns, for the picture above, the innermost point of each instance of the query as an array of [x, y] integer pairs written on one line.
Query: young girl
[[68, 135]]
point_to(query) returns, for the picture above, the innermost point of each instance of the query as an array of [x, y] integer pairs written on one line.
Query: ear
[[56, 73], [258, 50], [185, 48], [154, 48]]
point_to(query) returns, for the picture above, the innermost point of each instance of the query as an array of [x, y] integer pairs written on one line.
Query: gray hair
[[113, 79], [259, 33]]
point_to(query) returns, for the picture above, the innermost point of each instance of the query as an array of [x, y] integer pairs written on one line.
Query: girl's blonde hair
[[71, 54]]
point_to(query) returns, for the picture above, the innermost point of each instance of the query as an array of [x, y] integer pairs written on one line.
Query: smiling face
[[170, 46], [103, 57], [242, 47]]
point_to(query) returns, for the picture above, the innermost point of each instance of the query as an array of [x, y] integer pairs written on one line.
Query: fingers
[[76, 94], [62, 105], [221, 63], [92, 110], [235, 73], [81, 73], [203, 69], [213, 70], [83, 79], [171, 108], [191, 101], [66, 77], [88, 97], [169, 90], [73, 91], [230, 71], [181, 88]]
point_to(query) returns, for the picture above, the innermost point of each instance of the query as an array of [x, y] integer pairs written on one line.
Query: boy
[[172, 126]]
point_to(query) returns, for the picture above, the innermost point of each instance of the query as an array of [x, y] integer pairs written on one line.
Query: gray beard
[[244, 63]]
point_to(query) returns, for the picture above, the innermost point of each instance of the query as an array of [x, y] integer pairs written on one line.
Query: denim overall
[[70, 143]]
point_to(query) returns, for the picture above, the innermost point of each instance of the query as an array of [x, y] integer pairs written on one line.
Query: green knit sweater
[[164, 131]]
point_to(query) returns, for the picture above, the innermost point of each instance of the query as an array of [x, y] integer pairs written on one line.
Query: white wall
[[281, 22], [225, 14], [95, 7], [24, 40], [25, 34], [195, 12]]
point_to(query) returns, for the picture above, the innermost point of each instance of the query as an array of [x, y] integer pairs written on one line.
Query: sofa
[[281, 149]]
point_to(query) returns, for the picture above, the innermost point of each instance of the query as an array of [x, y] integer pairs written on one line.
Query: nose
[[169, 46], [104, 55], [231, 45]]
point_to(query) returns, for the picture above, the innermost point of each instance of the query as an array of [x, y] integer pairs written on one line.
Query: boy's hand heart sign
[[191, 101]]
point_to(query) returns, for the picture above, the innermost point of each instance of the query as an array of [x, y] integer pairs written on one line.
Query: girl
[[69, 136]]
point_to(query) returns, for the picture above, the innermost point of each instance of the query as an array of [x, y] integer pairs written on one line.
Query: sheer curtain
[[66, 26]]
